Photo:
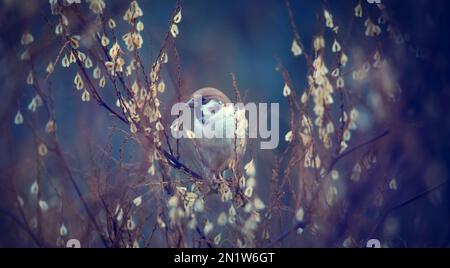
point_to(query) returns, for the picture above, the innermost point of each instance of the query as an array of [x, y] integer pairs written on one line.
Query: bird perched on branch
[[218, 136]]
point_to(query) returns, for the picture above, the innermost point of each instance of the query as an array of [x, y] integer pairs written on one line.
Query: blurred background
[[245, 38]]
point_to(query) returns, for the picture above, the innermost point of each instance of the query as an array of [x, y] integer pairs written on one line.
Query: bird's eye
[[204, 100]]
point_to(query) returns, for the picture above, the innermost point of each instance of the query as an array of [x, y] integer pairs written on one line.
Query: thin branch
[[351, 150], [406, 202], [23, 226]]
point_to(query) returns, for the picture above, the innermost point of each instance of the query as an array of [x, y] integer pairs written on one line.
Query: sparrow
[[213, 110]]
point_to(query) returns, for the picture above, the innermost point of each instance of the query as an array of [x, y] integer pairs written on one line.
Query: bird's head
[[207, 94]]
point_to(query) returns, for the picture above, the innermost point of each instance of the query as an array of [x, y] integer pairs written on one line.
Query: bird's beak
[[190, 103], [197, 99]]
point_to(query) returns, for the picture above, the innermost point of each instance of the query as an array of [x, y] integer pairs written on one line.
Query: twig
[[22, 226], [406, 202], [351, 150]]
